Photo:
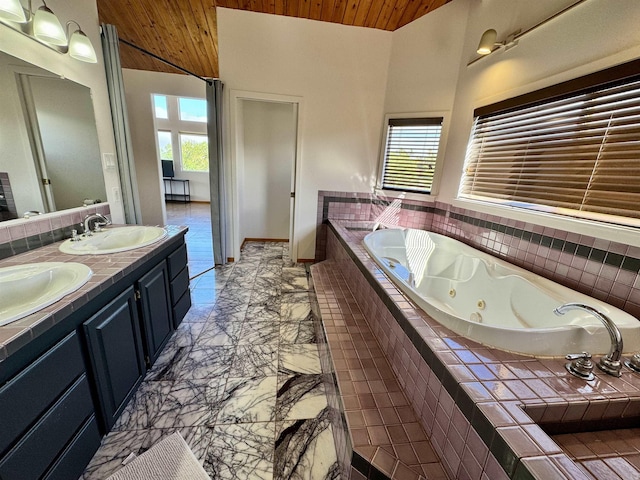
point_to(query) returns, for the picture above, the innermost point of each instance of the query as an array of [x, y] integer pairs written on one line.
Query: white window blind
[[580, 152], [410, 154]]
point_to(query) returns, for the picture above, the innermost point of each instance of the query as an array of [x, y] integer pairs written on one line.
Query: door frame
[[237, 168]]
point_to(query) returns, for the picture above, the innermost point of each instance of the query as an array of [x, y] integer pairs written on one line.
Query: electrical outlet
[[109, 160], [116, 194]]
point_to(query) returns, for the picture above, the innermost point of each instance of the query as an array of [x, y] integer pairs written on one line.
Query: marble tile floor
[[240, 379]]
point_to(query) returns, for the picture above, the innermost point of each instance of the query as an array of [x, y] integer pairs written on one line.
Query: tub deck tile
[[382, 425]]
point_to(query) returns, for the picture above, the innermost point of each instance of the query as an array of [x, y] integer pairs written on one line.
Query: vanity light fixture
[[80, 46], [44, 27], [47, 27], [12, 10]]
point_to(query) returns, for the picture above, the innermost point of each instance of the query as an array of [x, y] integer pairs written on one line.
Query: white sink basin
[[25, 289], [113, 240]]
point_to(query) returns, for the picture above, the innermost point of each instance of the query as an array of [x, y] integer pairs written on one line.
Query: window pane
[[411, 153], [160, 106], [193, 109], [165, 146], [194, 150]]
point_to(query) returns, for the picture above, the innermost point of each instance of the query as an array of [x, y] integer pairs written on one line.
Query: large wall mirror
[[49, 152]]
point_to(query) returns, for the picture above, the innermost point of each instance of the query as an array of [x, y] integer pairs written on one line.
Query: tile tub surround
[[23, 235], [107, 270], [599, 268], [386, 439], [482, 408]]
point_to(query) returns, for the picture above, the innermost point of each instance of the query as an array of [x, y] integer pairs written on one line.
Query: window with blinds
[[410, 154], [577, 154]]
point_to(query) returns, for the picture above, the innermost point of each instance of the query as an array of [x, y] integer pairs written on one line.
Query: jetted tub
[[492, 301]]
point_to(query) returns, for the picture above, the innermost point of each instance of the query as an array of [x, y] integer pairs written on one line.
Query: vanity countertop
[[107, 269]]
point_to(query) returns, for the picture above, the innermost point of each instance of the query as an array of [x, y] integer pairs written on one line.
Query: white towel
[[169, 459]]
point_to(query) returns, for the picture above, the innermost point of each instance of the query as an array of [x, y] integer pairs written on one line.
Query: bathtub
[[492, 301]]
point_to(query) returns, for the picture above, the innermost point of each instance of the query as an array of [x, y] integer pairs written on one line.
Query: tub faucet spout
[[610, 363]]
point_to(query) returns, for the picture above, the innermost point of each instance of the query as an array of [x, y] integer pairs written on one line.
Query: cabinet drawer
[[181, 308], [179, 285], [77, 455], [30, 393], [177, 261], [38, 449]]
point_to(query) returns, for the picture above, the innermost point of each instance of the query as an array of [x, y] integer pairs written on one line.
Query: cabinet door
[[116, 354], [156, 310]]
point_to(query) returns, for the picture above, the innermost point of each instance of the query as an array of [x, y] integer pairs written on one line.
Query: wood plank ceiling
[[185, 32]]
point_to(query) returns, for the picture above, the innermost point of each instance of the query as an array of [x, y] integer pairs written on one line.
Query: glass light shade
[[46, 27], [80, 47], [12, 10], [487, 42]]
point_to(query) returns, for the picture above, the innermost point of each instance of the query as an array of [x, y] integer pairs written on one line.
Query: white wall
[[139, 86], [339, 71], [269, 146], [89, 75]]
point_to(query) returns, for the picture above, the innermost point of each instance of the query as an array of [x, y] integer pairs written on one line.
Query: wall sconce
[[488, 43], [44, 27]]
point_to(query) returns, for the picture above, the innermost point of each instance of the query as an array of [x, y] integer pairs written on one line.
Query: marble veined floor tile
[[222, 332], [204, 361], [233, 298], [255, 361], [295, 311], [305, 450], [300, 396], [169, 363], [187, 333], [191, 403], [300, 331], [204, 295], [241, 452], [247, 400], [259, 333], [299, 358], [294, 278], [264, 312], [198, 313], [143, 407], [115, 447]]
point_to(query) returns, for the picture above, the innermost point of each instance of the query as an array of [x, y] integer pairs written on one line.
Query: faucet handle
[[581, 365], [634, 363]]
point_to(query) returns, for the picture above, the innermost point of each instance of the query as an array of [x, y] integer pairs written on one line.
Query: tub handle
[[581, 365]]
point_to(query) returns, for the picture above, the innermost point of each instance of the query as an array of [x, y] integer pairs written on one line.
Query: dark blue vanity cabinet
[[155, 304], [47, 416], [64, 389], [116, 354], [179, 284]]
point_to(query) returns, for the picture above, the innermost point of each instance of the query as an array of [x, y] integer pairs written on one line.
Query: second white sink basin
[[113, 240], [25, 289]]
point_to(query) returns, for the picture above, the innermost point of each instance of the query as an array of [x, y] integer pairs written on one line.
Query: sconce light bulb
[[47, 27], [487, 42], [12, 10], [80, 48]]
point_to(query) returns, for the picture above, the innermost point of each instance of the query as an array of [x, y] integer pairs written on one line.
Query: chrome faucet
[[610, 363], [98, 220], [30, 213]]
